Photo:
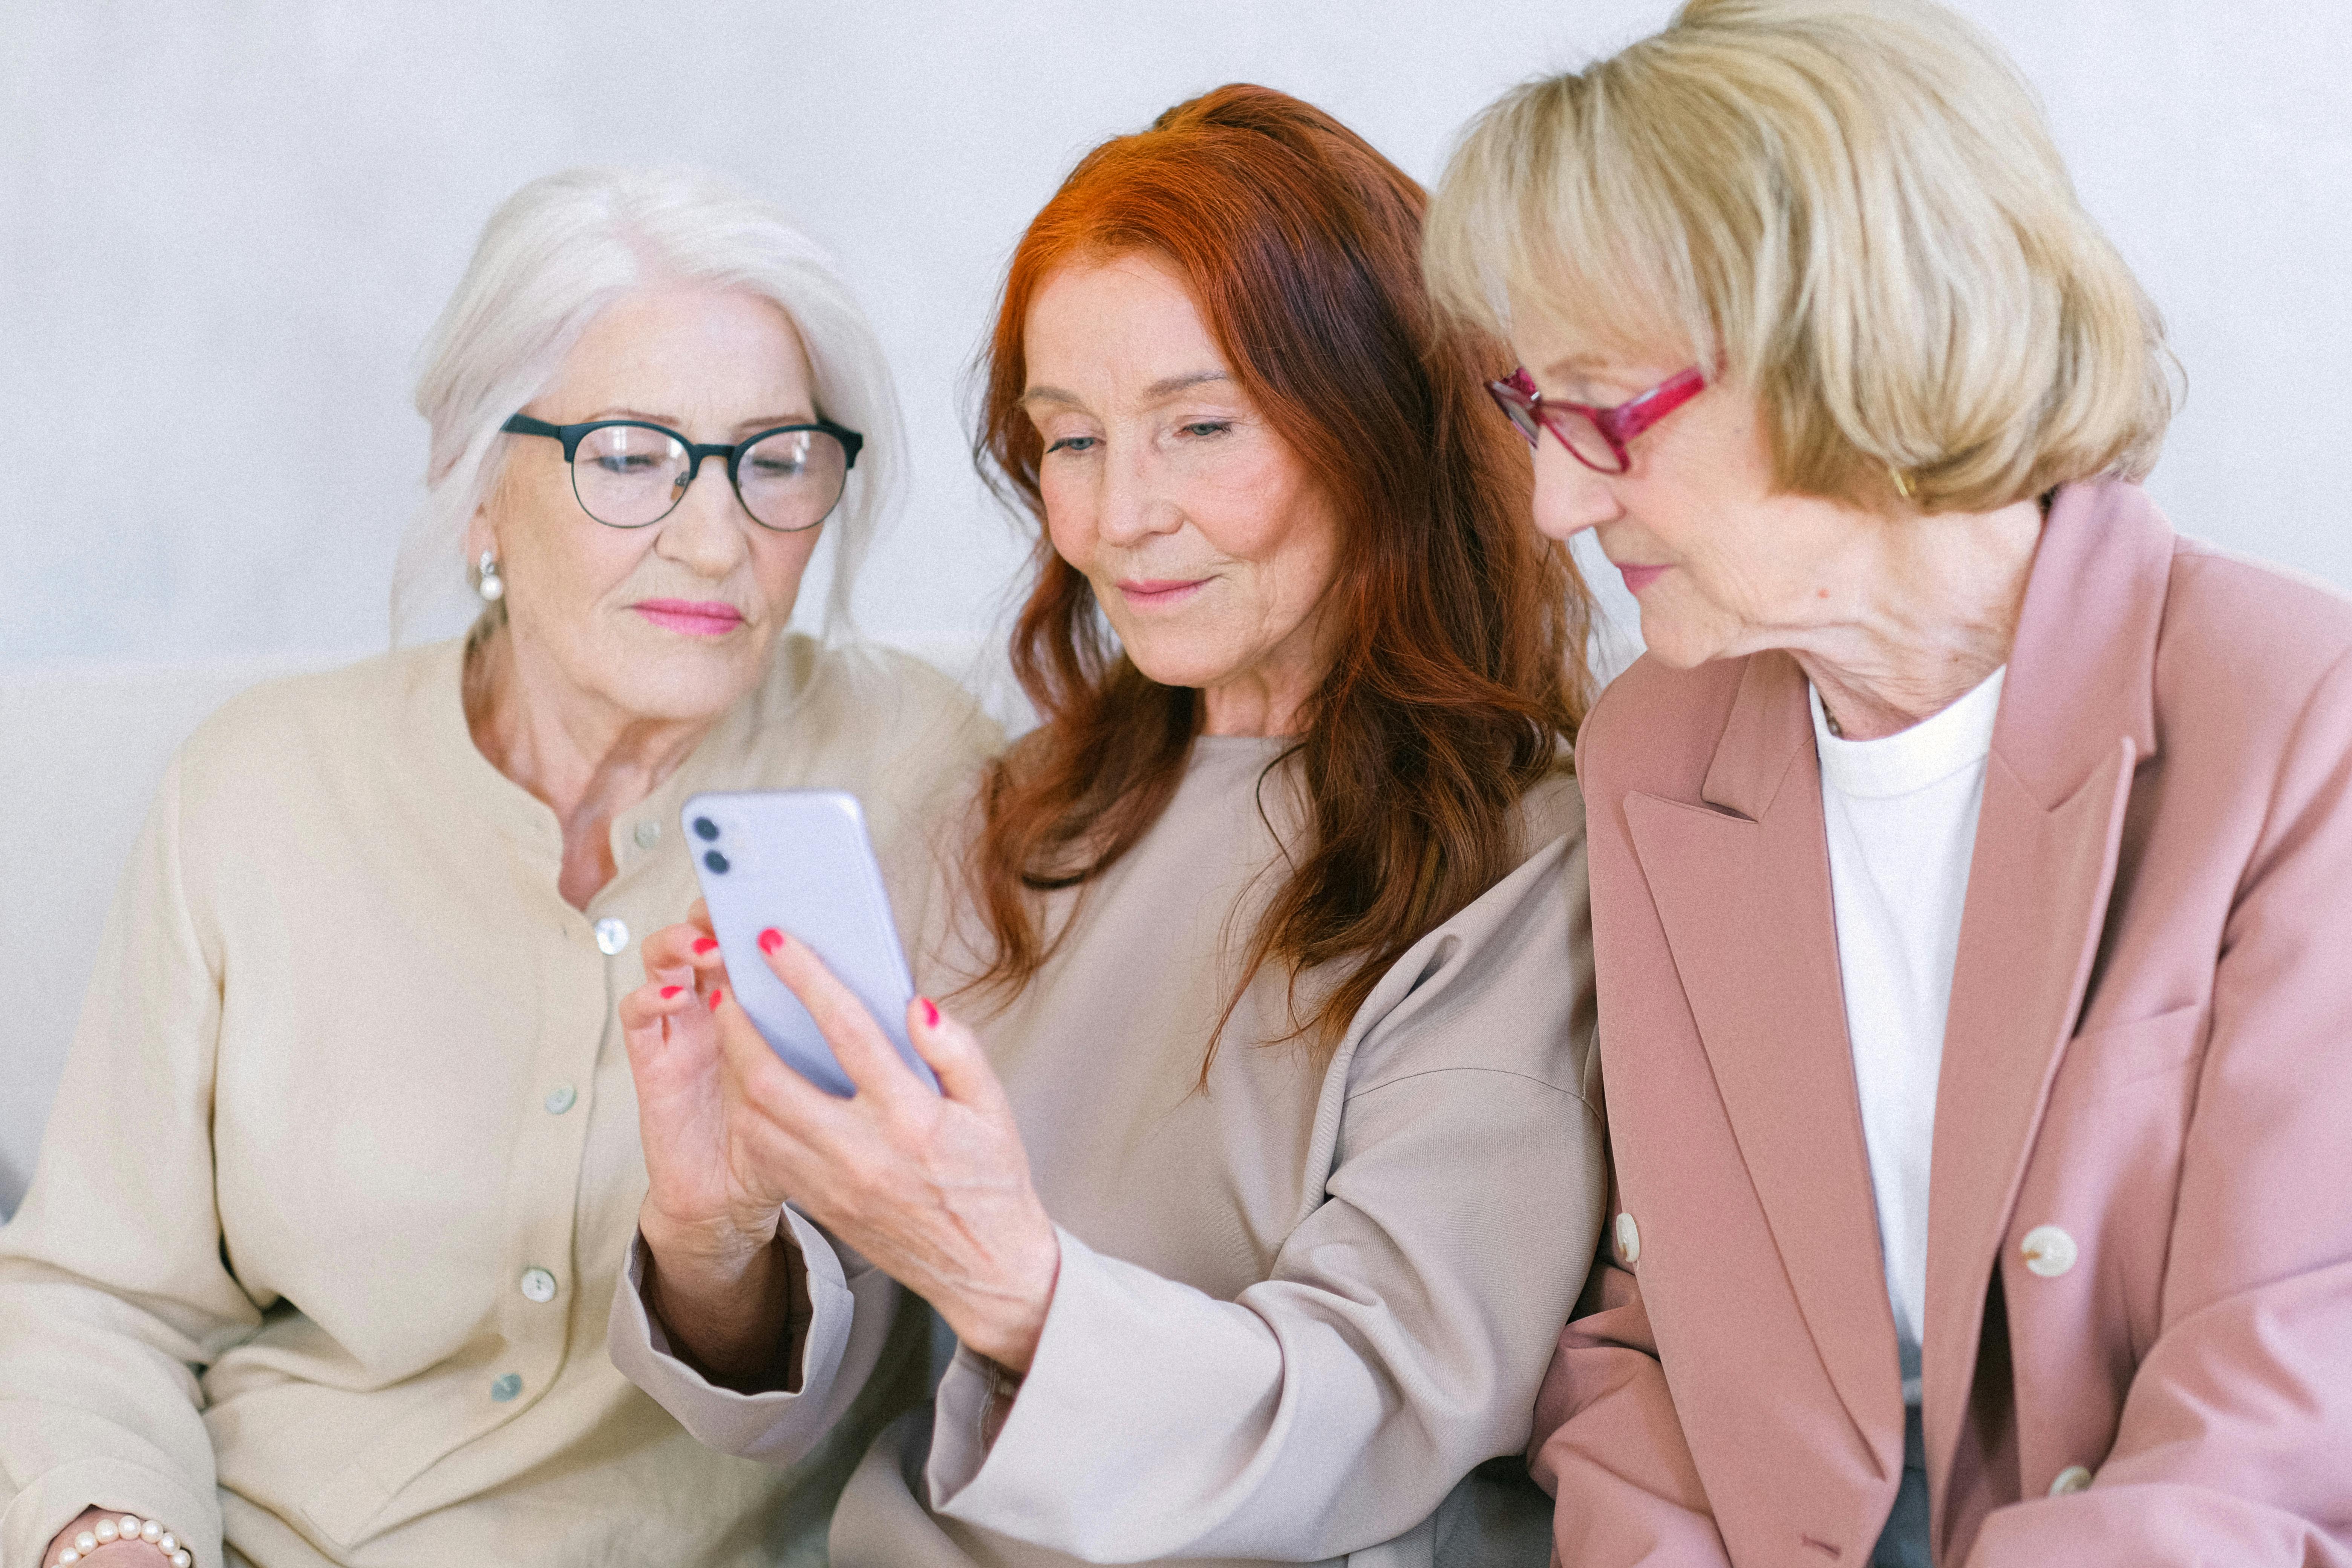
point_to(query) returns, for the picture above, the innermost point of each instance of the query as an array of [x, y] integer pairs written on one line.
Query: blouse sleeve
[[852, 1304], [113, 1292], [1406, 1325]]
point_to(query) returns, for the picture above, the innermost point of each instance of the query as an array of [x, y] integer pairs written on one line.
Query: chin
[[1677, 647], [686, 686], [1166, 662]]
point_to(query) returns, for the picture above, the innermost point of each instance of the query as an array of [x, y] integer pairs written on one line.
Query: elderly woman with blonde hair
[[316, 1263], [1968, 851]]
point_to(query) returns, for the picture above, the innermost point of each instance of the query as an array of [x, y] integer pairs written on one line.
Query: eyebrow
[[764, 422], [1167, 386], [1572, 366]]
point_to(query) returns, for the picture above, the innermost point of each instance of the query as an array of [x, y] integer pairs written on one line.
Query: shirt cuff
[[765, 1426], [55, 1498], [1127, 1357], [974, 1400]]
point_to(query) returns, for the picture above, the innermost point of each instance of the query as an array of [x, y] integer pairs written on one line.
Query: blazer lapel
[[1742, 889], [2077, 715]]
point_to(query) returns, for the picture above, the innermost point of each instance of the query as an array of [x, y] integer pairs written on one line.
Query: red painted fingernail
[[703, 944], [770, 940], [670, 991], [931, 1014], [715, 998]]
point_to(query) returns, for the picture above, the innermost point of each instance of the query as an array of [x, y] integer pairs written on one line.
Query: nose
[[1571, 498], [705, 530], [1134, 504]]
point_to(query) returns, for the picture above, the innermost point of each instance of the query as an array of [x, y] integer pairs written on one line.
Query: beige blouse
[[326, 1228], [1295, 1310]]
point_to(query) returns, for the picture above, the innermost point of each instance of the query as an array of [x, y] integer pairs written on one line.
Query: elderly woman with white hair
[[1969, 852], [316, 1261]]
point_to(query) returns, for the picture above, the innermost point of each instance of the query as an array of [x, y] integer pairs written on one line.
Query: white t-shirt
[[1902, 818]]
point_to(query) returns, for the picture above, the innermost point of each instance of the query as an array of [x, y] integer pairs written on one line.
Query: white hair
[[553, 256]]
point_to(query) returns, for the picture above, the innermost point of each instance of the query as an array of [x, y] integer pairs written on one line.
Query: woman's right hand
[[725, 1281]]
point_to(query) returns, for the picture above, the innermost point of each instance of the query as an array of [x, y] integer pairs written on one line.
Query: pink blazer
[[2139, 1344]]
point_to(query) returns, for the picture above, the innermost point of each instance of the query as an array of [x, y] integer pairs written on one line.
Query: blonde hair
[[1854, 209], [559, 251]]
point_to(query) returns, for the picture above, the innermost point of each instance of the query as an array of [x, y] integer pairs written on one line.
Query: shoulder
[[1504, 986], [870, 710], [1655, 727], [2250, 625], [898, 733], [285, 733], [872, 690]]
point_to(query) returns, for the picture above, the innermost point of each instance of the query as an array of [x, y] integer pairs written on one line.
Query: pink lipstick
[[691, 618], [1150, 593], [1639, 577]]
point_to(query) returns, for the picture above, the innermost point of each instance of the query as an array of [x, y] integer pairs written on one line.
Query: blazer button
[[2071, 1479], [612, 936], [2049, 1251], [537, 1285], [1629, 1239]]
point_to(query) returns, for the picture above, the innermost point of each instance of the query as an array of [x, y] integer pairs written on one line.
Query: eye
[[1072, 444], [1201, 427]]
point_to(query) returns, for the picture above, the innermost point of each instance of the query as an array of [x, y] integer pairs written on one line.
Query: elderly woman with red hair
[[1267, 948]]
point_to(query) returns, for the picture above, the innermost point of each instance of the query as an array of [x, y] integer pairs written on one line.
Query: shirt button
[[1629, 1239], [537, 1285], [2049, 1251], [561, 1098], [2073, 1478], [612, 936], [506, 1388], [648, 834]]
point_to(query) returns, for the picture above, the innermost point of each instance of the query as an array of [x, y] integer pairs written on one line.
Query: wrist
[[1006, 1327], [722, 1248], [731, 1316], [113, 1530]]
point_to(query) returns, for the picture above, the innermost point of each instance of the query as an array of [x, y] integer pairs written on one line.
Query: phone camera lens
[[715, 860], [705, 829]]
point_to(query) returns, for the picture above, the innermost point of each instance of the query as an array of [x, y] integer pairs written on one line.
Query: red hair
[[1460, 675]]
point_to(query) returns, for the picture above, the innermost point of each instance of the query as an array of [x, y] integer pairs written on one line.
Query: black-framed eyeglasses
[[628, 473]]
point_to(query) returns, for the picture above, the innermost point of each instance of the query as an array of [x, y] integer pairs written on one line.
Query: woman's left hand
[[933, 1189]]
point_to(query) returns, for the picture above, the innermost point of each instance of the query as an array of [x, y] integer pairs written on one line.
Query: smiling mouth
[[692, 618], [1158, 592]]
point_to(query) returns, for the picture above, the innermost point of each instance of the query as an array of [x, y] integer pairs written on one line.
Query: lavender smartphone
[[799, 859]]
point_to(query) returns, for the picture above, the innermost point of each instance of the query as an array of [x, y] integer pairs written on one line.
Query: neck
[[1932, 613], [587, 759]]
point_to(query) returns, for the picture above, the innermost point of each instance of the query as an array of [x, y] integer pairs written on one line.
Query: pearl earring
[[488, 583]]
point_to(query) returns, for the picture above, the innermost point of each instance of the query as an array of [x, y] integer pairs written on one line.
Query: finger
[[761, 1079], [648, 1005], [954, 1055], [858, 1044], [677, 953]]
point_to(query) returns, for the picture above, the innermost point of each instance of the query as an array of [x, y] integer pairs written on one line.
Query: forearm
[[1158, 1421], [851, 1306], [1607, 1445], [735, 1309], [97, 1407]]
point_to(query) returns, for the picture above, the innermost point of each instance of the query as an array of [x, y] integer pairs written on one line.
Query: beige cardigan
[[1295, 1310], [320, 1245]]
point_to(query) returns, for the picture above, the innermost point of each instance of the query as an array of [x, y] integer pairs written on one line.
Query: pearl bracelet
[[129, 1527]]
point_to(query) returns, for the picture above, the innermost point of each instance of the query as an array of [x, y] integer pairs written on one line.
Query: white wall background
[[224, 226]]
